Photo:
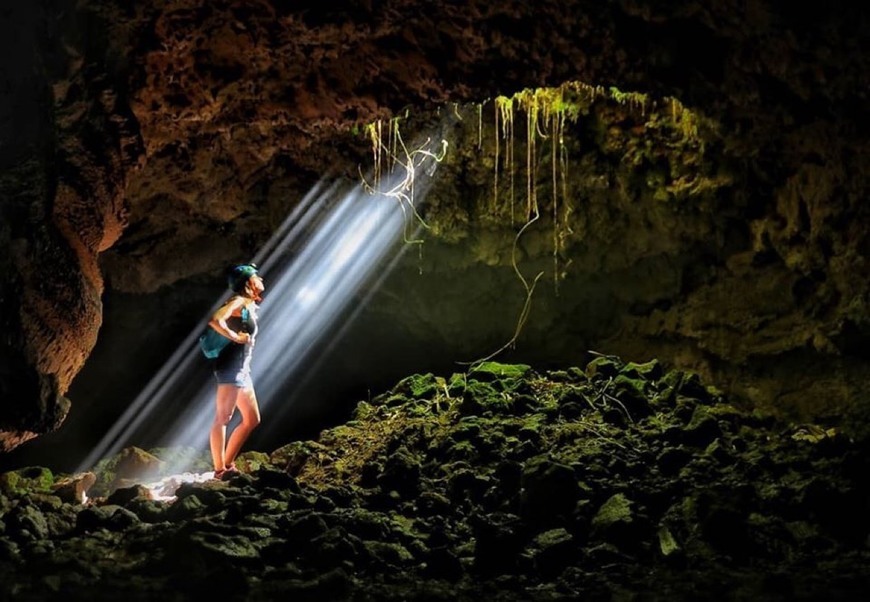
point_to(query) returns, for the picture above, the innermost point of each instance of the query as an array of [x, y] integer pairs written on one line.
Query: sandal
[[230, 470]]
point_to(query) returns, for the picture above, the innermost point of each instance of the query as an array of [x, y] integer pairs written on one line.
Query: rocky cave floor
[[617, 481]]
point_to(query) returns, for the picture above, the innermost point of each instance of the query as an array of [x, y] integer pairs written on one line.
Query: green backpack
[[211, 342]]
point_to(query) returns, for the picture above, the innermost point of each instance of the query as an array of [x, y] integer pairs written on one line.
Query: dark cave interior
[[655, 216]]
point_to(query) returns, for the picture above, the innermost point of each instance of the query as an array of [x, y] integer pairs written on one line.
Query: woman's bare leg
[[250, 411], [225, 404]]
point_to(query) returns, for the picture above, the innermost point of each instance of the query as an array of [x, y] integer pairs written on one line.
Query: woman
[[237, 320]]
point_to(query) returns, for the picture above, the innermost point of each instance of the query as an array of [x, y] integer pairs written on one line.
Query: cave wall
[[66, 149], [665, 246], [144, 133]]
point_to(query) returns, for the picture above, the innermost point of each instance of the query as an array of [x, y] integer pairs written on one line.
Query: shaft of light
[[314, 266], [304, 298], [176, 371]]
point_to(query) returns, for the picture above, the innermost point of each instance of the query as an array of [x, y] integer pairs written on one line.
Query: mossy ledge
[[615, 480]]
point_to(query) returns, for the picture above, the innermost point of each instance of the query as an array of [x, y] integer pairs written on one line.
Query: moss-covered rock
[[128, 467], [480, 397], [532, 495], [650, 371], [603, 367], [26, 480], [490, 371], [417, 386]]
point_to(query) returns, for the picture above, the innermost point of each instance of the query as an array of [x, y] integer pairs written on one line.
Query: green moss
[[477, 396], [633, 386], [249, 461], [418, 386], [363, 411], [650, 371], [31, 479], [603, 366], [617, 509], [292, 456], [462, 450], [500, 370]]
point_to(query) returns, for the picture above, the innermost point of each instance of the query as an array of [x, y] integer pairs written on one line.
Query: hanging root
[[527, 305], [403, 191]]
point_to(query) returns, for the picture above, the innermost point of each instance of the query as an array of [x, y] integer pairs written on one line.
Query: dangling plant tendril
[[403, 191], [533, 214], [527, 305]]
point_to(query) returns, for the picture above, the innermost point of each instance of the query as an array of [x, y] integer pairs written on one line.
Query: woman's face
[[255, 283]]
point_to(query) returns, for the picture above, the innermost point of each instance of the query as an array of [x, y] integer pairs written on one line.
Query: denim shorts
[[232, 366]]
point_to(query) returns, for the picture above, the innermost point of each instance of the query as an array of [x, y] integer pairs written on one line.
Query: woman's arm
[[219, 320]]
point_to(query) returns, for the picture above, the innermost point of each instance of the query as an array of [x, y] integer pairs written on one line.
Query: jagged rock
[[32, 478], [169, 130], [124, 496], [551, 552], [73, 489], [601, 507], [703, 428], [26, 522], [614, 519]]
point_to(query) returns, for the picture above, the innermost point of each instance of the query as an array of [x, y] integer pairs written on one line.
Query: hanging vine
[[548, 114], [395, 152]]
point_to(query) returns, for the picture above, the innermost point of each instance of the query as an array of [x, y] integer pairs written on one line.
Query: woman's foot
[[221, 474]]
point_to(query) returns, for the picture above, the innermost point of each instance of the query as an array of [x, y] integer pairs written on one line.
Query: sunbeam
[[319, 266]]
